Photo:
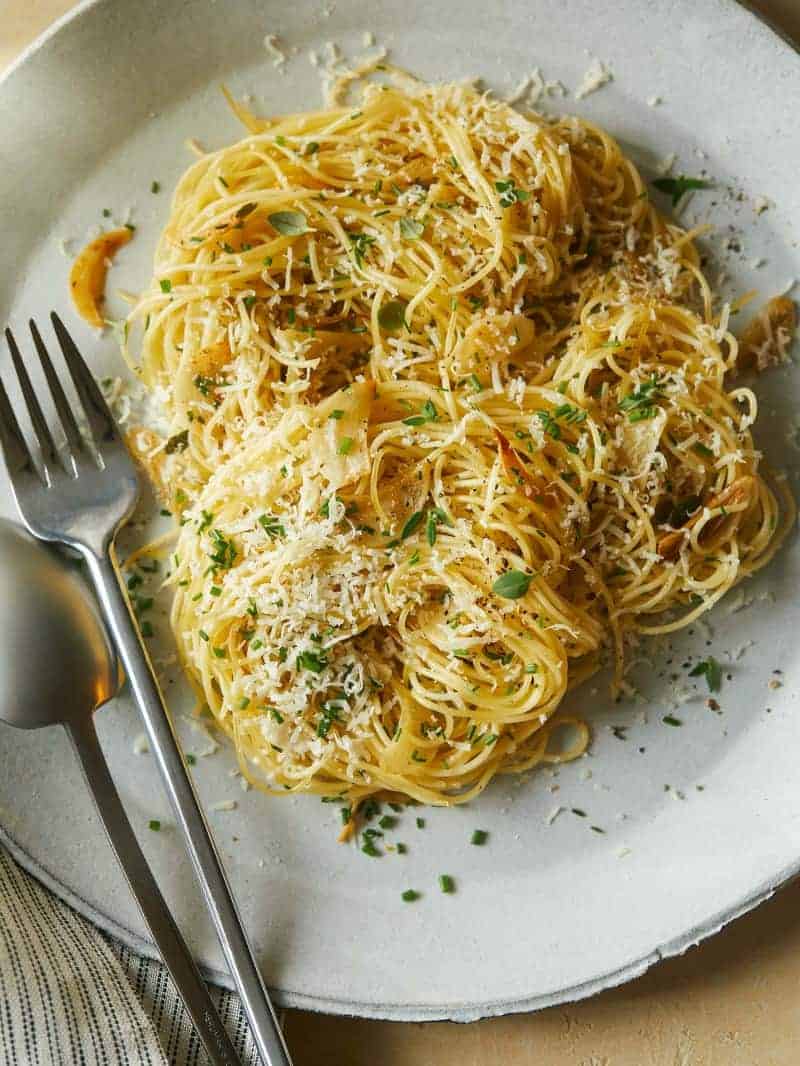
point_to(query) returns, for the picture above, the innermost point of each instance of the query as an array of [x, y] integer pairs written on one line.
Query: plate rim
[[468, 1012]]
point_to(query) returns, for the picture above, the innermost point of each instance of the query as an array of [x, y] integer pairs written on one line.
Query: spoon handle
[[202, 850], [169, 941]]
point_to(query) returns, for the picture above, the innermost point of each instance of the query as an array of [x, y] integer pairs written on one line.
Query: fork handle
[[170, 943], [205, 858]]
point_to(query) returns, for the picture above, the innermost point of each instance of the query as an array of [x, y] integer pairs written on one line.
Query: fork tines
[[102, 429]]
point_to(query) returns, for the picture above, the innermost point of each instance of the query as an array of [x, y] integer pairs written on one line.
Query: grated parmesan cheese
[[597, 75]]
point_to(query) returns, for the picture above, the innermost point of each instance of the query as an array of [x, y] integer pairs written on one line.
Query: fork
[[81, 496]]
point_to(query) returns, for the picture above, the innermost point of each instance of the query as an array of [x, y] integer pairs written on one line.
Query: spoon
[[45, 607]]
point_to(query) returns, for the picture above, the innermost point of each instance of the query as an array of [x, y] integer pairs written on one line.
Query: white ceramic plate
[[101, 108]]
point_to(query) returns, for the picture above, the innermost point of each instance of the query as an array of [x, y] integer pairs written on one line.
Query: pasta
[[451, 424]]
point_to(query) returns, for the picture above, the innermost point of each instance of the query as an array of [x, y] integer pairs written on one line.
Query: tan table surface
[[734, 1001]]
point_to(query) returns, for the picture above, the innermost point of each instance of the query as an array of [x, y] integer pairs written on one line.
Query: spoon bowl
[[56, 668], [56, 663]]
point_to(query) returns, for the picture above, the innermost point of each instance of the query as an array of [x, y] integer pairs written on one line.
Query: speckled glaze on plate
[[702, 822]]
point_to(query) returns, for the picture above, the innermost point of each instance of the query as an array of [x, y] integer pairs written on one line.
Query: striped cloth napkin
[[69, 994]]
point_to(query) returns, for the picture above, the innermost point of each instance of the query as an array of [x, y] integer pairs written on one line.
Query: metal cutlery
[[57, 669], [80, 496]]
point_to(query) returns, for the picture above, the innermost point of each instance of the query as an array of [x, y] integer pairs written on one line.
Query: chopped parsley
[[272, 526], [312, 660], [712, 671], [224, 552], [410, 895], [675, 188], [166, 285], [670, 719], [479, 837], [360, 242], [446, 883], [411, 229], [640, 404], [549, 424], [345, 445], [154, 824], [510, 194], [428, 413], [330, 714], [572, 415]]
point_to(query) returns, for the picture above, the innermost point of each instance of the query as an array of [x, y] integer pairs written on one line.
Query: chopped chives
[[446, 883]]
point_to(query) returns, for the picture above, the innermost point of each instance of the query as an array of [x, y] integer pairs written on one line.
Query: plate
[[701, 822]]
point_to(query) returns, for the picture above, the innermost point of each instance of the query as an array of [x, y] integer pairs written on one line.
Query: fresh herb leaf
[[313, 661], [573, 416], [392, 315], [166, 285], [446, 883], [640, 404], [345, 445], [428, 413], [178, 442], [361, 242], [224, 552], [154, 824], [479, 837], [271, 526], [676, 187], [510, 194], [330, 714], [712, 671], [410, 895], [549, 424], [435, 516], [512, 584], [411, 229], [289, 223], [412, 523]]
